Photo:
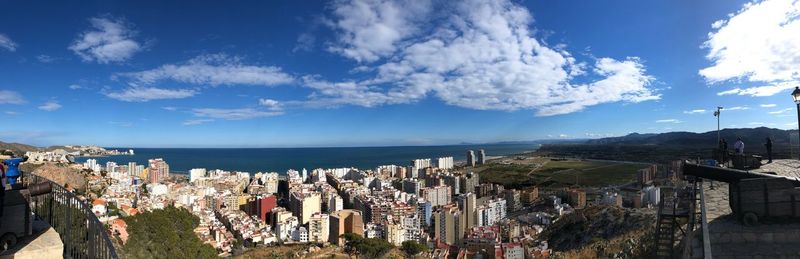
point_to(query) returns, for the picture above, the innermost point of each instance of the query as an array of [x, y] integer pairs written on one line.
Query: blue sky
[[354, 73]]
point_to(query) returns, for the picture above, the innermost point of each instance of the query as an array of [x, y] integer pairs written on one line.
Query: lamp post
[[796, 98], [717, 114]]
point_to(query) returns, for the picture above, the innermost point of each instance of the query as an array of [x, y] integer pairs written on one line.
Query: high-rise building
[[467, 203], [491, 212], [574, 197], [454, 181], [421, 163], [335, 203], [304, 204], [530, 196], [158, 170], [470, 158], [318, 228], [437, 195], [139, 171], [395, 233], [513, 199], [412, 186], [468, 182], [345, 221], [481, 157], [132, 169], [270, 182], [449, 225], [445, 163], [196, 173]]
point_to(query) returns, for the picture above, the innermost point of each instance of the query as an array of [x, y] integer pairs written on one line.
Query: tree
[[412, 248], [368, 247], [167, 233]]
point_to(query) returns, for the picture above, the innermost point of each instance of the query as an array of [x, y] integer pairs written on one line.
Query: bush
[[412, 248], [367, 247]]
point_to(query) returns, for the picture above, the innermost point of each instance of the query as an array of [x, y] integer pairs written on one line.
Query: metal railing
[[704, 226], [81, 232]]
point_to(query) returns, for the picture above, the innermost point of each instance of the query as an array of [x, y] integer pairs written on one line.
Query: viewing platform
[[44, 243], [45, 220], [730, 238]]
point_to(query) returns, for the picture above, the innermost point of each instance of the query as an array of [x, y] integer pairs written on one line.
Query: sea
[[253, 160]]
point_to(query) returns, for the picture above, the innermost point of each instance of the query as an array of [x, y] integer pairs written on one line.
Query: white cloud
[[372, 29], [11, 113], [736, 108], [10, 97], [110, 40], [50, 106], [761, 91], [214, 70], [7, 43], [479, 55], [668, 121], [781, 111], [331, 94], [768, 105], [756, 123], [270, 104], [144, 94], [45, 59], [75, 87], [234, 114], [169, 108], [196, 122], [759, 43], [696, 111], [563, 135], [598, 135]]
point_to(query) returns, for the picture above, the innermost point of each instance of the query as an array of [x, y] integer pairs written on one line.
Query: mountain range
[[750, 136]]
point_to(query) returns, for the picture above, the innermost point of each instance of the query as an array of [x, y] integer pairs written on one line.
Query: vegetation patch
[[167, 233], [559, 173]]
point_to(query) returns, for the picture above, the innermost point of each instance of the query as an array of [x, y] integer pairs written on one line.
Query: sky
[[376, 73]]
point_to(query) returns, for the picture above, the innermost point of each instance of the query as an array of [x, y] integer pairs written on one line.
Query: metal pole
[[798, 123]]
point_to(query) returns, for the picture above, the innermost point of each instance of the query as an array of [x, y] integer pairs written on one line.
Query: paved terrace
[[731, 239]]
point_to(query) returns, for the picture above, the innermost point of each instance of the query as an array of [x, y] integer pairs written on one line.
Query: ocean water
[[253, 160]]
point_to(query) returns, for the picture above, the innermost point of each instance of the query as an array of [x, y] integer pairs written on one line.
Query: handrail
[[83, 235], [704, 226]]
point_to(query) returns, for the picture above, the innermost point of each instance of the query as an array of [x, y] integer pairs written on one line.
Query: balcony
[[58, 214]]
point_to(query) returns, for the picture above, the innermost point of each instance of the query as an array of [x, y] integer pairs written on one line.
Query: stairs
[[665, 235], [666, 225], [676, 222]]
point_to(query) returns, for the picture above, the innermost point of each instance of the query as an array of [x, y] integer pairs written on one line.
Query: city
[[435, 202], [485, 129]]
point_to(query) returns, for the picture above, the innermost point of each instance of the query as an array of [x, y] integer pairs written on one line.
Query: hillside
[[748, 135], [602, 232], [17, 147]]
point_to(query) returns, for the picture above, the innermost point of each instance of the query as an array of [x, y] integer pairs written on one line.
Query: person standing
[[738, 147], [725, 145], [768, 145]]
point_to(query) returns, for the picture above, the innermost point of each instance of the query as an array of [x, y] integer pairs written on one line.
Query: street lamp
[[717, 114], [796, 98]]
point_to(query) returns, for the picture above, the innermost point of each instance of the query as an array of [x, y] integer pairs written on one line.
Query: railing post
[[68, 227], [90, 225]]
